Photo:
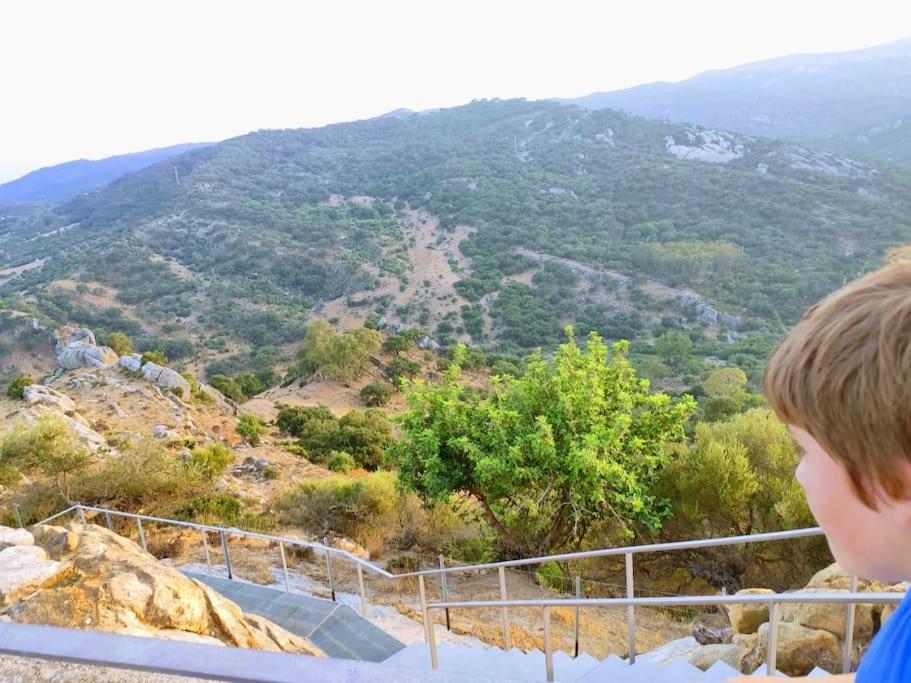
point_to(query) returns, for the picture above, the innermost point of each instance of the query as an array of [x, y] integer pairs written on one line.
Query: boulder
[[133, 362], [732, 654], [164, 432], [37, 393], [24, 569], [57, 541], [113, 585], [800, 649], [675, 649], [747, 618], [829, 617], [164, 377], [10, 537], [77, 348]]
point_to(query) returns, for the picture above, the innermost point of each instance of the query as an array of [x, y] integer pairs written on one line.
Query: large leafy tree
[[548, 453]]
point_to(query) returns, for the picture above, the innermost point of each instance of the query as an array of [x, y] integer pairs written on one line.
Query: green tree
[[16, 387], [726, 382], [341, 357], [212, 459], [249, 384], [250, 428], [397, 343], [674, 348], [548, 453], [154, 357], [120, 343], [376, 394]]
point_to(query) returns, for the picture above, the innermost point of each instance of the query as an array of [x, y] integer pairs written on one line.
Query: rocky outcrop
[[747, 618], [76, 348], [23, 569], [164, 377], [133, 362], [800, 649], [36, 393], [105, 582]]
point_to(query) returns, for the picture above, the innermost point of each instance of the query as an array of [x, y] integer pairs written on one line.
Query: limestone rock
[[747, 618], [829, 617], [36, 393], [113, 585], [23, 569], [133, 362], [57, 541], [77, 348], [164, 377], [10, 537], [732, 654], [800, 649], [675, 649], [164, 432]]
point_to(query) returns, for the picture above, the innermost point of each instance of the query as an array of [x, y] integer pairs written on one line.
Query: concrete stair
[[517, 665]]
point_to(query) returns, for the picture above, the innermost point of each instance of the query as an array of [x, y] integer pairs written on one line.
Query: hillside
[[856, 102], [496, 222], [63, 181]]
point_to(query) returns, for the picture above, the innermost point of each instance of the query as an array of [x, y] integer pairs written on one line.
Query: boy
[[841, 381]]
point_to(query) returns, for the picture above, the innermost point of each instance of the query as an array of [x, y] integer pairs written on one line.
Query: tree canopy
[[547, 453]]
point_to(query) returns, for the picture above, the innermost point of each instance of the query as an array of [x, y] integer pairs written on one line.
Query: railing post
[[109, 521], [445, 590], [81, 514], [773, 639], [429, 634], [578, 597], [548, 646], [205, 546], [849, 629], [630, 610], [17, 515], [224, 549], [504, 611], [142, 536], [365, 612], [329, 567], [281, 549]]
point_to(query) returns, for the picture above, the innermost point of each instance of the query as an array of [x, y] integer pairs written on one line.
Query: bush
[[341, 462], [228, 387], [551, 575], [154, 357], [363, 434], [250, 428], [216, 509], [403, 367], [48, 446], [17, 386], [120, 343], [376, 394], [211, 460], [341, 357]]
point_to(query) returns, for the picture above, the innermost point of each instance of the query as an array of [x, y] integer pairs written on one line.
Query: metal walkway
[[336, 629]]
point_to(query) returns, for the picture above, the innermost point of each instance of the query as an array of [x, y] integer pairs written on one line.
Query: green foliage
[[121, 344], [215, 509], [726, 382], [197, 394], [342, 357], [548, 453], [551, 575], [47, 446], [397, 343], [363, 434], [375, 394], [250, 428], [17, 386], [674, 348], [210, 460], [341, 462], [250, 385], [154, 357], [228, 387], [403, 367]]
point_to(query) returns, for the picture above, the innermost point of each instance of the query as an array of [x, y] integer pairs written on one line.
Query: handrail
[[630, 602]]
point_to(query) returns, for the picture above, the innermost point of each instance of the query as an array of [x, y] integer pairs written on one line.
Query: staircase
[[517, 665]]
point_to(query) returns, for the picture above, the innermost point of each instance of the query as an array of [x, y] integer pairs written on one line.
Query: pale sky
[[90, 79]]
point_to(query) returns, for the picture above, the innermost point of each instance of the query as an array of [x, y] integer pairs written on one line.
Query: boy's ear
[[899, 509]]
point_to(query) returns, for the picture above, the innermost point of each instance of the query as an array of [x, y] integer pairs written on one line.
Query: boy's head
[[841, 380]]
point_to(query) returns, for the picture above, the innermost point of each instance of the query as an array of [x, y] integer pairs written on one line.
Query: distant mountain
[[63, 181], [855, 102]]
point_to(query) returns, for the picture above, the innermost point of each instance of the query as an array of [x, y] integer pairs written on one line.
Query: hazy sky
[[91, 79]]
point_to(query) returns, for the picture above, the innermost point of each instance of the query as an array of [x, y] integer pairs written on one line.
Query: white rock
[[10, 537], [23, 569], [36, 393], [133, 362], [163, 432]]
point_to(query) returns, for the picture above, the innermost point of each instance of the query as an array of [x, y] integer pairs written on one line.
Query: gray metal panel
[[336, 629]]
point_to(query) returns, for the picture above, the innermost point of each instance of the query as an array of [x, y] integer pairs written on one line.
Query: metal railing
[[504, 604]]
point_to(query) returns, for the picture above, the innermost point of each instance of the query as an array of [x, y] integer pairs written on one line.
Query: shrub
[[177, 391], [341, 357], [341, 462], [376, 394], [228, 387], [216, 509], [120, 343], [47, 446], [403, 367], [250, 428], [551, 575], [211, 460], [17, 386], [154, 357]]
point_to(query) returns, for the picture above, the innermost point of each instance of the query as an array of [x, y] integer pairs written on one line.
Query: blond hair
[[843, 374]]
